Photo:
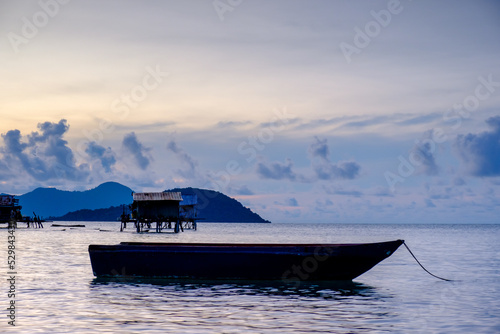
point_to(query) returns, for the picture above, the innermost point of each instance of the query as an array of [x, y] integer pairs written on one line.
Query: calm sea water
[[57, 293]]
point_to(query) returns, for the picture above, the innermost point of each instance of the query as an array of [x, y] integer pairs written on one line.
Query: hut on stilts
[[10, 211], [160, 211]]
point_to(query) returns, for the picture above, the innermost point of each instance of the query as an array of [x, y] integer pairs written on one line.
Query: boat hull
[[287, 262]]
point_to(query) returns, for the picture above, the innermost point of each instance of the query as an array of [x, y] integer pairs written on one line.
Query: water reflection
[[333, 289], [243, 306]]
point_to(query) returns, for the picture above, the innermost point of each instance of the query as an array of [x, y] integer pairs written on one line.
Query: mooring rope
[[408, 248]]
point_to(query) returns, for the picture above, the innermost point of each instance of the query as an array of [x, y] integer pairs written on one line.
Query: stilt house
[[160, 206], [9, 208]]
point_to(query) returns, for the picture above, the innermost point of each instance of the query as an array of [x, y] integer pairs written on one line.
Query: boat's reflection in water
[[243, 306], [321, 289]]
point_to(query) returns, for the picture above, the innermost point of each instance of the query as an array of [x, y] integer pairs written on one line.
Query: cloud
[[322, 167], [381, 192], [327, 202], [137, 150], [243, 190], [45, 155], [342, 170], [368, 122], [429, 166], [229, 124], [104, 155], [145, 127], [319, 149], [423, 153], [322, 122], [280, 122], [185, 158], [423, 119], [356, 122], [343, 192], [278, 171], [481, 152], [325, 206], [289, 202], [325, 169], [429, 203], [5, 172]]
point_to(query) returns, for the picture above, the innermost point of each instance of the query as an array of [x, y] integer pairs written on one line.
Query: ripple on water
[[57, 292]]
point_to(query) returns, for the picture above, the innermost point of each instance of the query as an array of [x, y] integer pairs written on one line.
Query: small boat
[[67, 225], [286, 262]]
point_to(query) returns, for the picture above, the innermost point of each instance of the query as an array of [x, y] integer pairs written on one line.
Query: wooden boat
[[286, 262], [67, 225]]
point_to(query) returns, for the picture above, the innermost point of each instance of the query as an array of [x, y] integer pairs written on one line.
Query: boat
[[213, 261], [67, 225]]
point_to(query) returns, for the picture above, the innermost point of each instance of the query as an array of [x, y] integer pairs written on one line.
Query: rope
[[408, 248]]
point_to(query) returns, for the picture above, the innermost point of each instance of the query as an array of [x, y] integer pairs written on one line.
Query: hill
[[214, 206], [53, 202], [108, 214]]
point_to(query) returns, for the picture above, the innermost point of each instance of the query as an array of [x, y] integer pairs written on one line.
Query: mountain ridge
[[54, 202]]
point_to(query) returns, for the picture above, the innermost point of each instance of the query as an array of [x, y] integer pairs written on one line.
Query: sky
[[305, 111]]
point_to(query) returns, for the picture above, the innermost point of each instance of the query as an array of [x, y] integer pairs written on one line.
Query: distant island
[[97, 215], [52, 202], [106, 203]]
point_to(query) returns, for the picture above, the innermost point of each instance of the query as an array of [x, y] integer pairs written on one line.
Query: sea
[[52, 288]]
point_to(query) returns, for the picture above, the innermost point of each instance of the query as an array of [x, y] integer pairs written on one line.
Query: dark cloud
[[277, 171], [45, 155], [342, 170], [185, 158], [481, 152], [104, 155], [137, 150], [319, 149], [354, 193], [325, 169], [429, 166], [381, 192], [291, 202], [423, 154], [15, 150], [279, 123], [324, 203], [429, 203], [54, 130], [342, 191], [443, 195]]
